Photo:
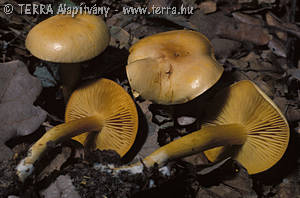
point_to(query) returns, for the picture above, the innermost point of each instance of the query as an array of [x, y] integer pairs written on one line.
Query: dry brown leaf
[[224, 48], [253, 62], [56, 163], [213, 166], [273, 21], [290, 185], [158, 3], [295, 73], [197, 159], [62, 187], [120, 38], [239, 185], [207, 24], [289, 108], [208, 7], [266, 87], [151, 143], [119, 20], [176, 19], [266, 1], [243, 32], [277, 47], [18, 91], [217, 24], [244, 18], [245, 1], [293, 114]]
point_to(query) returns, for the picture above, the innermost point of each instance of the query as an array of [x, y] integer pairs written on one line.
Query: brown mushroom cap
[[110, 101], [67, 39], [172, 67], [267, 128]]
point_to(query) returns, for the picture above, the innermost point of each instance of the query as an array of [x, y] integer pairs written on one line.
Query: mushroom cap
[[109, 100], [172, 67], [268, 131], [67, 39]]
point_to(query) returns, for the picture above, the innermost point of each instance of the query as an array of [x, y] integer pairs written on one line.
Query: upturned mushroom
[[103, 107], [243, 123], [68, 40], [172, 67]]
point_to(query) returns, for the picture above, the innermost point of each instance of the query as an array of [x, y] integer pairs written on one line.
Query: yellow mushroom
[[172, 67], [243, 123], [103, 107], [68, 40]]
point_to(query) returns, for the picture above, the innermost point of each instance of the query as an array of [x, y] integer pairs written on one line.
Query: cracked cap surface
[[172, 67]]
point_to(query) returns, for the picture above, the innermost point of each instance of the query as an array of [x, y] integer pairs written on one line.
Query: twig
[[291, 40], [259, 70]]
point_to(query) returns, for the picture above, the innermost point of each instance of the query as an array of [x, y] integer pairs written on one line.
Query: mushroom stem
[[206, 138], [70, 76], [56, 134]]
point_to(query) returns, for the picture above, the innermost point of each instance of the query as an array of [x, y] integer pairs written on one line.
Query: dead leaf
[[290, 185], [151, 143], [119, 20], [18, 91], [266, 1], [208, 7], [176, 19], [120, 38], [238, 185], [22, 52], [273, 21], [207, 24], [62, 187], [243, 32], [247, 19], [252, 75], [158, 3], [253, 62], [295, 73], [281, 102], [293, 114], [48, 74], [245, 1], [224, 48], [230, 7], [160, 120], [217, 24], [197, 159], [212, 167], [189, 3], [238, 63], [289, 108], [186, 120], [277, 47], [265, 87], [56, 163], [139, 31]]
